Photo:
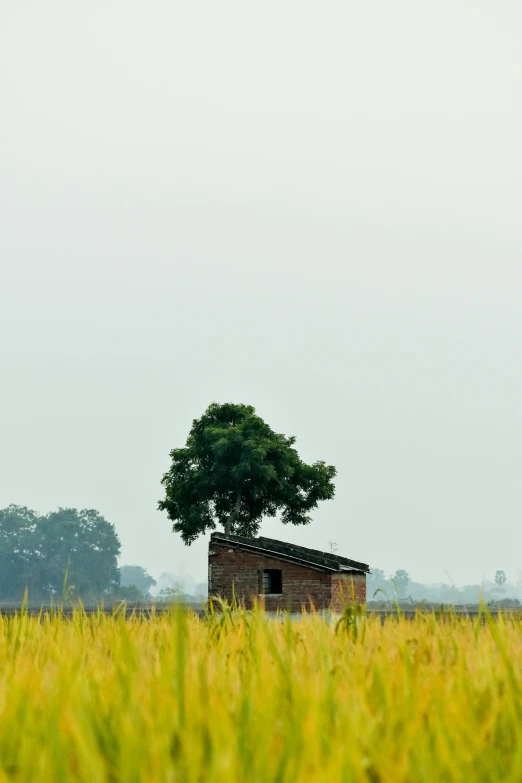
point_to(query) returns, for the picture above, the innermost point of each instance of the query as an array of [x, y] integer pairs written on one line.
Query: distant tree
[[402, 580], [36, 551], [234, 470], [449, 594], [169, 593], [333, 546], [19, 566], [129, 593], [500, 580], [377, 585], [167, 579], [85, 544], [135, 575]]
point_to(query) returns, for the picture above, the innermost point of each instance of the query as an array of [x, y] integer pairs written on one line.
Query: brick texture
[[346, 588], [232, 571]]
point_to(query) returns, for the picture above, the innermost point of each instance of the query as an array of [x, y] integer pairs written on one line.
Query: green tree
[[129, 593], [135, 575], [169, 593], [402, 580], [500, 580], [36, 551], [234, 470], [19, 566], [82, 542]]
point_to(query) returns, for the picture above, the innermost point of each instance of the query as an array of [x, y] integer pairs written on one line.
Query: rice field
[[238, 696]]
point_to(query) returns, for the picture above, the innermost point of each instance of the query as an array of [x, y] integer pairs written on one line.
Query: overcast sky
[[314, 208]]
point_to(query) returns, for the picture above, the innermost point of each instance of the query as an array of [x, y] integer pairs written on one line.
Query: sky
[[310, 208]]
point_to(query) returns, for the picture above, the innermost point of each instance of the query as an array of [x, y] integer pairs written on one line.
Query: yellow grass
[[246, 698]]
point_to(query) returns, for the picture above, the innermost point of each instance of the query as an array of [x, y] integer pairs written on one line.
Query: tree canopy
[[136, 576], [500, 579], [234, 470], [36, 551], [402, 580]]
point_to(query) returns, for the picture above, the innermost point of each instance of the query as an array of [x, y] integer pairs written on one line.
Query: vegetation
[[500, 579], [183, 589], [234, 470], [401, 581], [36, 551], [497, 591], [237, 696], [136, 576], [129, 593]]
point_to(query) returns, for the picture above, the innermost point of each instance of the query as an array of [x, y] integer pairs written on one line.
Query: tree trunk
[[229, 521]]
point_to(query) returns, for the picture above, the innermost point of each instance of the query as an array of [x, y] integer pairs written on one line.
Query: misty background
[[313, 209]]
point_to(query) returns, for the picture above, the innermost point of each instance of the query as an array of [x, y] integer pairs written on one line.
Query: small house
[[283, 576]]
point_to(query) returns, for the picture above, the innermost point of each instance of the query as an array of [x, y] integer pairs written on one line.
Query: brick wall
[[301, 585], [345, 587]]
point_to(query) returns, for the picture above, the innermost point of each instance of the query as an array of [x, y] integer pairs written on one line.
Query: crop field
[[238, 696]]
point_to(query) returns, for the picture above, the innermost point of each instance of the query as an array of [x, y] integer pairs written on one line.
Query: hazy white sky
[[310, 207]]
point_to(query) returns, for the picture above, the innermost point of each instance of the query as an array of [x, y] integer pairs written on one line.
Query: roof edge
[[323, 562]]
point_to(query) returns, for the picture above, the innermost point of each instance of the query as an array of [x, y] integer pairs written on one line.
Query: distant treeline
[[38, 551], [381, 588], [71, 553]]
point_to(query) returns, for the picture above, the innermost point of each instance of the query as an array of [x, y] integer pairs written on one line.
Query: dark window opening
[[272, 582]]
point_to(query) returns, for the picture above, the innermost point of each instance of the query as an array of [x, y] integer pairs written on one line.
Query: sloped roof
[[270, 547]]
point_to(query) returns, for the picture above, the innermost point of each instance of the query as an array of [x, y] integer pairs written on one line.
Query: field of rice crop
[[243, 697]]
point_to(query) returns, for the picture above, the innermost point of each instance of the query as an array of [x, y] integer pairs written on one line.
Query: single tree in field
[[402, 580], [500, 580], [234, 470]]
